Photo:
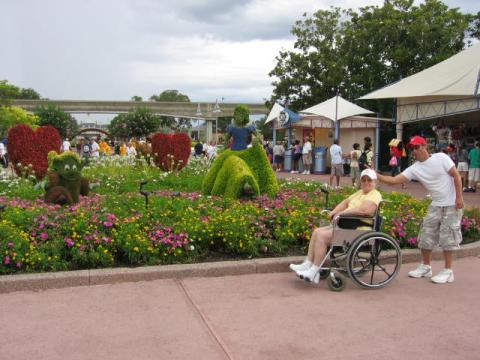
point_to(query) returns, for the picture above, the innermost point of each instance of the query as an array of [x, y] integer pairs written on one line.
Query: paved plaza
[[261, 316]]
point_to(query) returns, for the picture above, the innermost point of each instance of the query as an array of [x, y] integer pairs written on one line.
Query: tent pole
[[377, 142]]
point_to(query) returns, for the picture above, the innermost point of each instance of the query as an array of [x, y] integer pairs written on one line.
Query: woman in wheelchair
[[362, 203]]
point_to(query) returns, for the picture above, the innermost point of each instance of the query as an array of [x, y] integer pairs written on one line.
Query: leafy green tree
[[29, 94], [52, 115], [360, 51], [265, 129], [168, 121], [118, 126], [136, 98], [11, 116], [170, 95], [138, 123], [475, 26], [10, 92]]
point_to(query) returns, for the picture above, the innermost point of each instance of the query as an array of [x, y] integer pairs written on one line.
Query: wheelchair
[[371, 258]]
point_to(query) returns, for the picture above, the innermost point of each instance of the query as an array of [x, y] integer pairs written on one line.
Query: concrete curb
[[44, 281]]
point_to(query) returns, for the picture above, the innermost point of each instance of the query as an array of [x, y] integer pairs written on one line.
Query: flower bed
[[114, 228]]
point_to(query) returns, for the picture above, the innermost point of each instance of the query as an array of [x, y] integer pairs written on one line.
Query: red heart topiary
[[171, 151], [27, 146]]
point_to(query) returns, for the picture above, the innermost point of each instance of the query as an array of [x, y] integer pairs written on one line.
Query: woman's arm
[[367, 208], [339, 208]]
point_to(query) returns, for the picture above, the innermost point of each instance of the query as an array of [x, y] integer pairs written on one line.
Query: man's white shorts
[[462, 166]]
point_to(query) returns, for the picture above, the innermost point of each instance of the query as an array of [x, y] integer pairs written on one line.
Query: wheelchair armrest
[[353, 216]]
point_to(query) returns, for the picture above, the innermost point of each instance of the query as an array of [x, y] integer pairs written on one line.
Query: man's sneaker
[[444, 276], [300, 267], [421, 271]]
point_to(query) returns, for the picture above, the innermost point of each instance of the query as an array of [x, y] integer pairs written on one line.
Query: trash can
[[287, 162], [320, 166]]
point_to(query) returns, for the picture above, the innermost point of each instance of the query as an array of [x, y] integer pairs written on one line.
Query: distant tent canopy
[[450, 87]]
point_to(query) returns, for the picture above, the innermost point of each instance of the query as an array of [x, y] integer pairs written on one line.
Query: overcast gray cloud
[[114, 49]]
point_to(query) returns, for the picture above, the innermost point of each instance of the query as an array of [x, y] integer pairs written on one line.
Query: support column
[[209, 130], [377, 143], [399, 128], [274, 128], [337, 129]]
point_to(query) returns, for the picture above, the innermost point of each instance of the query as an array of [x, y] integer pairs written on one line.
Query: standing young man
[[307, 156], [336, 154], [441, 226]]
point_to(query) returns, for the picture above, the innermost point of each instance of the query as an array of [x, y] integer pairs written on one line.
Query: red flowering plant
[[171, 151], [31, 147]]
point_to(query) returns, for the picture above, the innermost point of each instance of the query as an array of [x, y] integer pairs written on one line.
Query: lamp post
[[216, 110], [198, 113]]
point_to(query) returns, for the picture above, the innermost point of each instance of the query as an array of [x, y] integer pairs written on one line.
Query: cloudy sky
[[114, 49]]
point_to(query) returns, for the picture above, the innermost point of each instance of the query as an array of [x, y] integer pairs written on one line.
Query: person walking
[[66, 145], [336, 155], [307, 156], [354, 168], [474, 169], [462, 166], [3, 155], [278, 153], [441, 226]]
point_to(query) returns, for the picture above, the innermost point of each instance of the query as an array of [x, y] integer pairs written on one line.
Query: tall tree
[[170, 95], [52, 115], [11, 116], [10, 92], [138, 123], [178, 123], [136, 98], [357, 52]]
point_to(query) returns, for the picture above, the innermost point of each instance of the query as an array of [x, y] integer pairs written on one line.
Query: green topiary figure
[[64, 179], [241, 173]]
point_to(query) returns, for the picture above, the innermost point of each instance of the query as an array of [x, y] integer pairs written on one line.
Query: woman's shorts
[[441, 227], [474, 174], [278, 159], [462, 166]]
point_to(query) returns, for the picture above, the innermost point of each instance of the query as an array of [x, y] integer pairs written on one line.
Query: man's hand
[[459, 202]]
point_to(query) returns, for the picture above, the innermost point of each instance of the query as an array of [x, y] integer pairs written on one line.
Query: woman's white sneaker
[[421, 271], [444, 276], [301, 267]]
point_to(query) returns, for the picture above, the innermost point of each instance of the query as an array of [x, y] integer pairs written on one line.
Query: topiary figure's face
[[68, 167], [241, 115]]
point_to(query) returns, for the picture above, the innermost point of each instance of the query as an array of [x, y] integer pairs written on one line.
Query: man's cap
[[370, 173], [417, 140]]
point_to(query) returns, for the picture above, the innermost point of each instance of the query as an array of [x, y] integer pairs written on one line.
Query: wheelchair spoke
[[383, 269]]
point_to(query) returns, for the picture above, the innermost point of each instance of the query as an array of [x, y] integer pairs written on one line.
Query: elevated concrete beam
[[165, 108]]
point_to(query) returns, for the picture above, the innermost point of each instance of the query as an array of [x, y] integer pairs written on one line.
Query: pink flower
[[108, 223], [11, 244], [69, 242], [44, 236], [6, 260]]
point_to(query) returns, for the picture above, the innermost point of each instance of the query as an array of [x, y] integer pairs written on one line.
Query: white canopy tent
[[448, 88], [336, 108]]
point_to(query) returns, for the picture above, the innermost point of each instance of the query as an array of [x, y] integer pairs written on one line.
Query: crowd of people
[[358, 158]]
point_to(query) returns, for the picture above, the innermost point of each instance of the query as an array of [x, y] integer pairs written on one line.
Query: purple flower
[[69, 242], [6, 260]]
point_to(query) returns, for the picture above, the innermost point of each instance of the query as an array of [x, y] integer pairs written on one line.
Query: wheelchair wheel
[[324, 273], [374, 260], [337, 284]]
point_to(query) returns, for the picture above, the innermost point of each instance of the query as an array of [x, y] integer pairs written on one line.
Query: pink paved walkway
[[413, 188], [268, 316]]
